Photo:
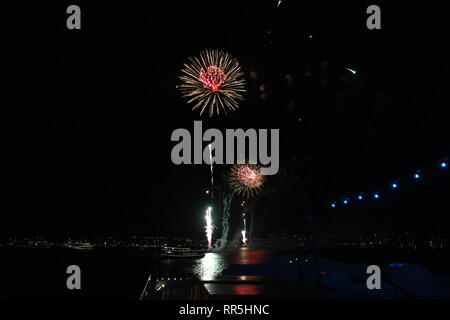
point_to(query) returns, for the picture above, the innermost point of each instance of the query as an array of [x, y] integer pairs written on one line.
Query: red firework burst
[[246, 179], [213, 77], [213, 81]]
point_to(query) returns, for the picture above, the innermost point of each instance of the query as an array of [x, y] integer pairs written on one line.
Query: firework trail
[[212, 81], [222, 242], [351, 70], [246, 179], [211, 162], [244, 231], [209, 227]]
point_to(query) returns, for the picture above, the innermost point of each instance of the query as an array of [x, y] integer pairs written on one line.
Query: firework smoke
[[246, 179], [212, 81], [250, 231], [222, 242]]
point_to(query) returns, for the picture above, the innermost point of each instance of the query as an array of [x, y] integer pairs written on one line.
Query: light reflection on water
[[252, 256], [213, 263]]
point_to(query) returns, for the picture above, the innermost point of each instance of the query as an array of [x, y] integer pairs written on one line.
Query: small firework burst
[[213, 81], [246, 179]]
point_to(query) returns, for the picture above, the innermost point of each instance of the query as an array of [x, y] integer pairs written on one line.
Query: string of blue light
[[416, 175]]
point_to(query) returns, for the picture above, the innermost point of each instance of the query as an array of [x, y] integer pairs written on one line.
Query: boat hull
[[178, 256]]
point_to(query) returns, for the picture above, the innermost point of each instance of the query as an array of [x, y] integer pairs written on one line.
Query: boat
[[176, 252], [85, 246]]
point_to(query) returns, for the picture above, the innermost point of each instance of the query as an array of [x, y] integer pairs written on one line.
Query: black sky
[[89, 113]]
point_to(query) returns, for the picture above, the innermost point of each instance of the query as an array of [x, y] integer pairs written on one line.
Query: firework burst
[[213, 81], [246, 179]]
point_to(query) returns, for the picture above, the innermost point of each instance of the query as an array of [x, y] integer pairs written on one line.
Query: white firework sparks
[[213, 81]]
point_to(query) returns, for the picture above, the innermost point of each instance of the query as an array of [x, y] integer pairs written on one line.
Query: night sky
[[88, 114]]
